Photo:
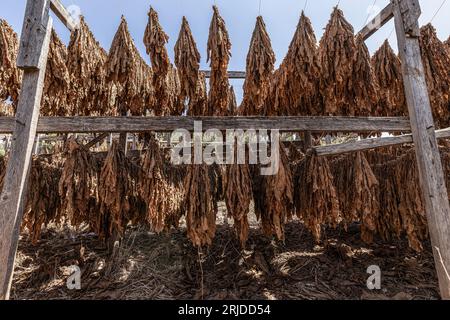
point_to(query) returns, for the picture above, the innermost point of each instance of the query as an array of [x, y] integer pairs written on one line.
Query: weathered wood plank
[[231, 74], [368, 144], [164, 124], [62, 14], [430, 169], [13, 196], [376, 23], [34, 31]]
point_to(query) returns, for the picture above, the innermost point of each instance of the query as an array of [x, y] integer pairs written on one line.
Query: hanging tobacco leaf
[[436, 63], [260, 66], [219, 47], [200, 213], [57, 80], [357, 190], [78, 186], [389, 79], [187, 60], [166, 84], [164, 199], [115, 190], [128, 73], [316, 199], [295, 87], [10, 75], [43, 201], [199, 105], [278, 201], [363, 84], [337, 50], [86, 65]]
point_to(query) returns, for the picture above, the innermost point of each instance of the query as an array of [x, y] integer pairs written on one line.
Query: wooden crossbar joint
[[63, 15], [376, 23]]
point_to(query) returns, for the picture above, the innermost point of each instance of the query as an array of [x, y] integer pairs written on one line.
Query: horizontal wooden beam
[[63, 15], [376, 23], [167, 124], [368, 144], [231, 74]]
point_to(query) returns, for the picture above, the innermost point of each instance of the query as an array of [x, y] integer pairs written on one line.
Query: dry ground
[[150, 266]]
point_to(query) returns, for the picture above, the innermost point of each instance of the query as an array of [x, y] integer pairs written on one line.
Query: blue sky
[[281, 16]]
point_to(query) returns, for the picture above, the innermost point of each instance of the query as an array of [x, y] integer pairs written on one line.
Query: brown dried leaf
[[78, 184], [200, 213], [129, 74], [278, 198], [164, 198], [187, 60], [57, 80], [219, 54], [436, 61], [295, 86], [316, 199], [86, 64], [260, 66], [389, 79], [337, 50], [10, 75]]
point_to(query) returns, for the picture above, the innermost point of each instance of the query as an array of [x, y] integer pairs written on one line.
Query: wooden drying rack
[[32, 59]]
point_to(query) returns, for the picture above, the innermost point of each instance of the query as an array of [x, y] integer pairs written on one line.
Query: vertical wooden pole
[[431, 174], [32, 58]]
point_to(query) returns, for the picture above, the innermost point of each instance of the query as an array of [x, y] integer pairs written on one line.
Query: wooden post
[[434, 191], [32, 58]]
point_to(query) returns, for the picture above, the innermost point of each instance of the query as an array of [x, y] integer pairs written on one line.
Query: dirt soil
[[167, 266]]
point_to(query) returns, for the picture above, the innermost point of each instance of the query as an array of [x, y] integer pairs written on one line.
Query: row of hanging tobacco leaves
[[335, 77]]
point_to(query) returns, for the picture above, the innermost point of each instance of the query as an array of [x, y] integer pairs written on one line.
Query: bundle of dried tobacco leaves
[[85, 61], [357, 190], [10, 75], [115, 189], [162, 196], [295, 87], [389, 80], [128, 74], [78, 186], [232, 103], [219, 54], [187, 60], [43, 202], [57, 80], [362, 84], [167, 87], [436, 63], [238, 196], [337, 51], [278, 198], [316, 199], [260, 66], [200, 209]]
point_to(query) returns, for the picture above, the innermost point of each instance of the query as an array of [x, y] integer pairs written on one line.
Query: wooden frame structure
[[32, 59]]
